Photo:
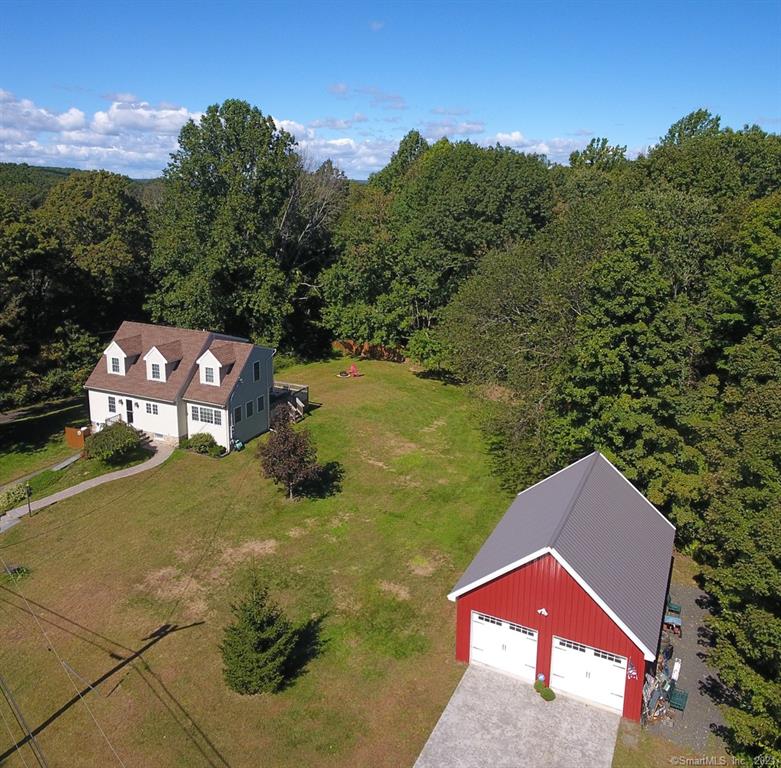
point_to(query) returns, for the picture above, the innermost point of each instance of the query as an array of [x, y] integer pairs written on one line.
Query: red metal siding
[[572, 614]]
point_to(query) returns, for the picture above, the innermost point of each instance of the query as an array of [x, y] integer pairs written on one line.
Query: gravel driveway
[[497, 721]]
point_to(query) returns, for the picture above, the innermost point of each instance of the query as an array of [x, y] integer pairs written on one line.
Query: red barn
[[571, 585]]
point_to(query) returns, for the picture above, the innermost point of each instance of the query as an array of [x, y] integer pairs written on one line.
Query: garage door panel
[[588, 673], [503, 645]]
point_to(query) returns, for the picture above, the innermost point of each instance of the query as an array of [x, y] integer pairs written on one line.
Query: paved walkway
[[161, 452], [497, 721]]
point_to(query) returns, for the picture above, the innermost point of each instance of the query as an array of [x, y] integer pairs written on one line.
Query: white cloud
[[339, 89], [450, 111], [377, 96], [556, 149], [437, 129], [376, 26], [356, 158], [141, 116], [130, 136], [338, 123], [25, 115]]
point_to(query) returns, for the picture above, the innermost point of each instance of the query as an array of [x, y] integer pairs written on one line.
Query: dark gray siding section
[[612, 537]]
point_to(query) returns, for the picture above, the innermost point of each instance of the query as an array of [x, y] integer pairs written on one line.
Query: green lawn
[[37, 440], [371, 566], [50, 481]]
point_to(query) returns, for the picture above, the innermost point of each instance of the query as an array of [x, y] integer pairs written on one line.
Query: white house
[[175, 382]]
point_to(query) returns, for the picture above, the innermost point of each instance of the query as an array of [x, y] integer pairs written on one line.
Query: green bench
[[677, 698], [672, 607]]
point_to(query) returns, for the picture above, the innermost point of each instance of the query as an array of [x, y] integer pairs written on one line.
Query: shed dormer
[[161, 360], [215, 363], [121, 354]]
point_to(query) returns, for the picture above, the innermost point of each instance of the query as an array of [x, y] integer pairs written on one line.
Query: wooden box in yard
[[74, 436]]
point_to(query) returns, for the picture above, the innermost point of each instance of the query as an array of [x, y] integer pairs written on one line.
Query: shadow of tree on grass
[[326, 481], [308, 645]]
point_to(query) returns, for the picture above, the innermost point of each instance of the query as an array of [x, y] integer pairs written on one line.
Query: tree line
[[630, 306]]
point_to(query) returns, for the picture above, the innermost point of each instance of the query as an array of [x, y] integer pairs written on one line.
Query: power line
[[9, 697], [14, 740], [63, 664]]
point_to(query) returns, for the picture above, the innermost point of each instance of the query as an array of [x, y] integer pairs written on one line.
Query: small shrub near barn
[[112, 443]]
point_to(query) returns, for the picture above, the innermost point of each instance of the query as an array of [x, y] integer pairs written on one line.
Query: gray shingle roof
[[591, 516]]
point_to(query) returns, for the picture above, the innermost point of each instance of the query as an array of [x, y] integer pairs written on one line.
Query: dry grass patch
[[399, 591], [170, 585], [249, 549], [426, 565]]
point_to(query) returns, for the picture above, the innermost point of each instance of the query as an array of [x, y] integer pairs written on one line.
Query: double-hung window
[[256, 371], [209, 375], [207, 415], [155, 370], [250, 407], [260, 403], [114, 365], [195, 416], [151, 408], [237, 414], [112, 403]]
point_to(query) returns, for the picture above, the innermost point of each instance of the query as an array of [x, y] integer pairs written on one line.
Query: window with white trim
[[114, 365], [261, 403], [194, 413], [208, 375], [217, 417], [572, 646], [207, 415], [522, 630], [256, 371], [608, 656], [151, 408], [250, 407], [155, 370], [112, 404]]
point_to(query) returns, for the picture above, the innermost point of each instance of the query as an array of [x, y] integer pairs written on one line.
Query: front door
[[129, 405]]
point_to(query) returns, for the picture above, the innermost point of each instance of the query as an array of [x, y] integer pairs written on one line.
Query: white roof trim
[[155, 351], [114, 349], [647, 653], [210, 358], [500, 572], [632, 486]]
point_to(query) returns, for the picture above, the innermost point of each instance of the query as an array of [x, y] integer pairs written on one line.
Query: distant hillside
[[29, 184]]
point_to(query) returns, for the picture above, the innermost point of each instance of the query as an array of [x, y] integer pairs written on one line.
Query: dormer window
[[156, 371], [208, 375], [114, 365]]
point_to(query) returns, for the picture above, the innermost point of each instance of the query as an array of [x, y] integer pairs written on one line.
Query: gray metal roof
[[589, 514]]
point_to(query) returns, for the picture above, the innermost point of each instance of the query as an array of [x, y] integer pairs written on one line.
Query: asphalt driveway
[[496, 721]]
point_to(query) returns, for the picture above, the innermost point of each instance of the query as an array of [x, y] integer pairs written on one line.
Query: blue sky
[[110, 84]]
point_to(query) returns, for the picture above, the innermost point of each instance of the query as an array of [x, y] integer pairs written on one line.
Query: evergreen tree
[[257, 646]]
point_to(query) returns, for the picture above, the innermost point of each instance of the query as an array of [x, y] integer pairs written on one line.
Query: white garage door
[[504, 645], [588, 673]]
